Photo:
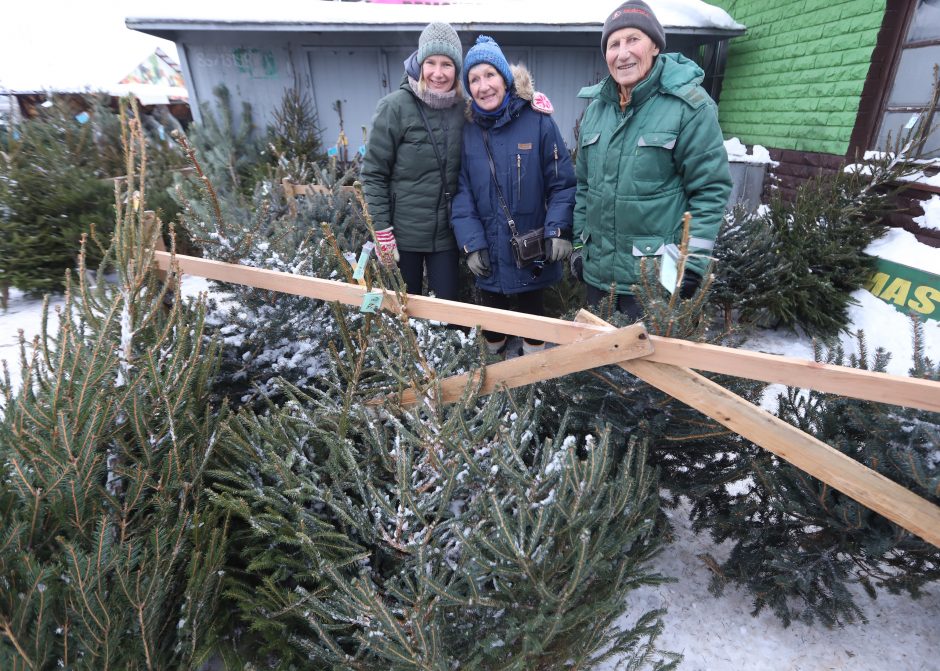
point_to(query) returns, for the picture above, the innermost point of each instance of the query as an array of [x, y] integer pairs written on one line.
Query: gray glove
[[479, 263], [576, 264], [557, 249]]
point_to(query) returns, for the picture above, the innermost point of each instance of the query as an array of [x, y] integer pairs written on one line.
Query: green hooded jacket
[[401, 177], [639, 170]]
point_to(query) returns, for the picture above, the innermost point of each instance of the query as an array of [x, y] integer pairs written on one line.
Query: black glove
[[557, 249], [479, 263], [576, 264], [690, 284]]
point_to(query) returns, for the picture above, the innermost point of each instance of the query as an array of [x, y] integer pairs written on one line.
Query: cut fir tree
[[467, 536], [109, 555]]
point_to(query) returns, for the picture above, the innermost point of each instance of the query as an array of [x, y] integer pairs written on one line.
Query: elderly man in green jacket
[[650, 150]]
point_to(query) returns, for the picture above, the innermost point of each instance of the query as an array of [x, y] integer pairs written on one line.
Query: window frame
[[886, 57]]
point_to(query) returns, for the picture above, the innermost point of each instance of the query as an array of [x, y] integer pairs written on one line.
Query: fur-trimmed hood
[[524, 84]]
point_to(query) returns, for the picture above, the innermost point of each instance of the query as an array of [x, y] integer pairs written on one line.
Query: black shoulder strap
[[499, 191], [437, 152]]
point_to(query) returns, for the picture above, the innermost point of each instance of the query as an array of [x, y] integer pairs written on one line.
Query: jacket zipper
[[518, 178], [555, 149]]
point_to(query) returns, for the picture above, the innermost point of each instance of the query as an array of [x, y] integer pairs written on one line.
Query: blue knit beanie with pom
[[486, 51]]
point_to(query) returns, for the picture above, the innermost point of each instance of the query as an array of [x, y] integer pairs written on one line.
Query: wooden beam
[[871, 489], [879, 387], [842, 380], [292, 190], [420, 307], [599, 350]]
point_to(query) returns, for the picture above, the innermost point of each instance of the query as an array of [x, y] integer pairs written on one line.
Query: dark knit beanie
[[440, 39], [487, 51], [634, 14]]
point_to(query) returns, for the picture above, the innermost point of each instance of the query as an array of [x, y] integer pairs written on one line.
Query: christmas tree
[[798, 543], [479, 535], [52, 192], [795, 264], [110, 555]]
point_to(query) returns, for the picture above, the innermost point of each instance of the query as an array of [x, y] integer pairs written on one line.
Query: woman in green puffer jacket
[[409, 172], [650, 149]]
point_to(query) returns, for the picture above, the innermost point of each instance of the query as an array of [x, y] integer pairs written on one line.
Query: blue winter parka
[[537, 181]]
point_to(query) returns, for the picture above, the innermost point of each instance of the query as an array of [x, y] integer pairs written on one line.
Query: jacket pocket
[[654, 157], [587, 152], [586, 250], [524, 191], [648, 245]]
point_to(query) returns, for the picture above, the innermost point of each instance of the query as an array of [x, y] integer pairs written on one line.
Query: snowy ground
[[720, 634]]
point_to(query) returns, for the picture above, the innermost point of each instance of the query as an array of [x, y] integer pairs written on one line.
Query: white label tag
[[668, 268], [910, 122], [371, 301]]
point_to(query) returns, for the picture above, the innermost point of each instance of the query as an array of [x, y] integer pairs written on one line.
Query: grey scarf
[[437, 101]]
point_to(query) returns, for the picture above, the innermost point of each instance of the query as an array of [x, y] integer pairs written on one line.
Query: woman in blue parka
[[512, 127]]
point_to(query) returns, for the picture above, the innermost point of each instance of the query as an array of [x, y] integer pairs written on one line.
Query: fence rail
[[664, 363]]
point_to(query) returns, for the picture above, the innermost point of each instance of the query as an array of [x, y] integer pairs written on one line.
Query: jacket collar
[[608, 91], [513, 109], [670, 72], [520, 95]]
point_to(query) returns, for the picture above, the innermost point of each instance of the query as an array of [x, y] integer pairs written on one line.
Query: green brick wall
[[795, 79]]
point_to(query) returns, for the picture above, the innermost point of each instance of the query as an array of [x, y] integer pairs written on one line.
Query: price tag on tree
[[371, 301]]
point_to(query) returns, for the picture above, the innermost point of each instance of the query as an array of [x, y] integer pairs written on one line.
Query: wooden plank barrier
[[291, 191], [599, 350], [866, 385], [871, 489], [664, 367]]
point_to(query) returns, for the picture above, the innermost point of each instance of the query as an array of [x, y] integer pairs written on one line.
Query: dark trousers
[[528, 302], [626, 303], [442, 272]]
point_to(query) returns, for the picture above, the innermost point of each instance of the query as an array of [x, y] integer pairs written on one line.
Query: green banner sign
[[910, 290]]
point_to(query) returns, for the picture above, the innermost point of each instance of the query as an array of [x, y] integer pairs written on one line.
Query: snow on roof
[[679, 15], [71, 47]]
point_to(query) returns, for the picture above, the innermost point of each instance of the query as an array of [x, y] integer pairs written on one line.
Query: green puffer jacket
[[640, 170], [401, 179]]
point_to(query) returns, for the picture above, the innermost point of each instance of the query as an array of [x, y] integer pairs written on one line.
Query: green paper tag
[[371, 301], [363, 260]]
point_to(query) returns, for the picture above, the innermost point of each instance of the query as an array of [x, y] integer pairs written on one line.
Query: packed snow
[[466, 15], [738, 153], [931, 219]]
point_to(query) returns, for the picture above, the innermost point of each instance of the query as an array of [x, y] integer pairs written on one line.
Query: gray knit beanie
[[439, 39], [634, 14]]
